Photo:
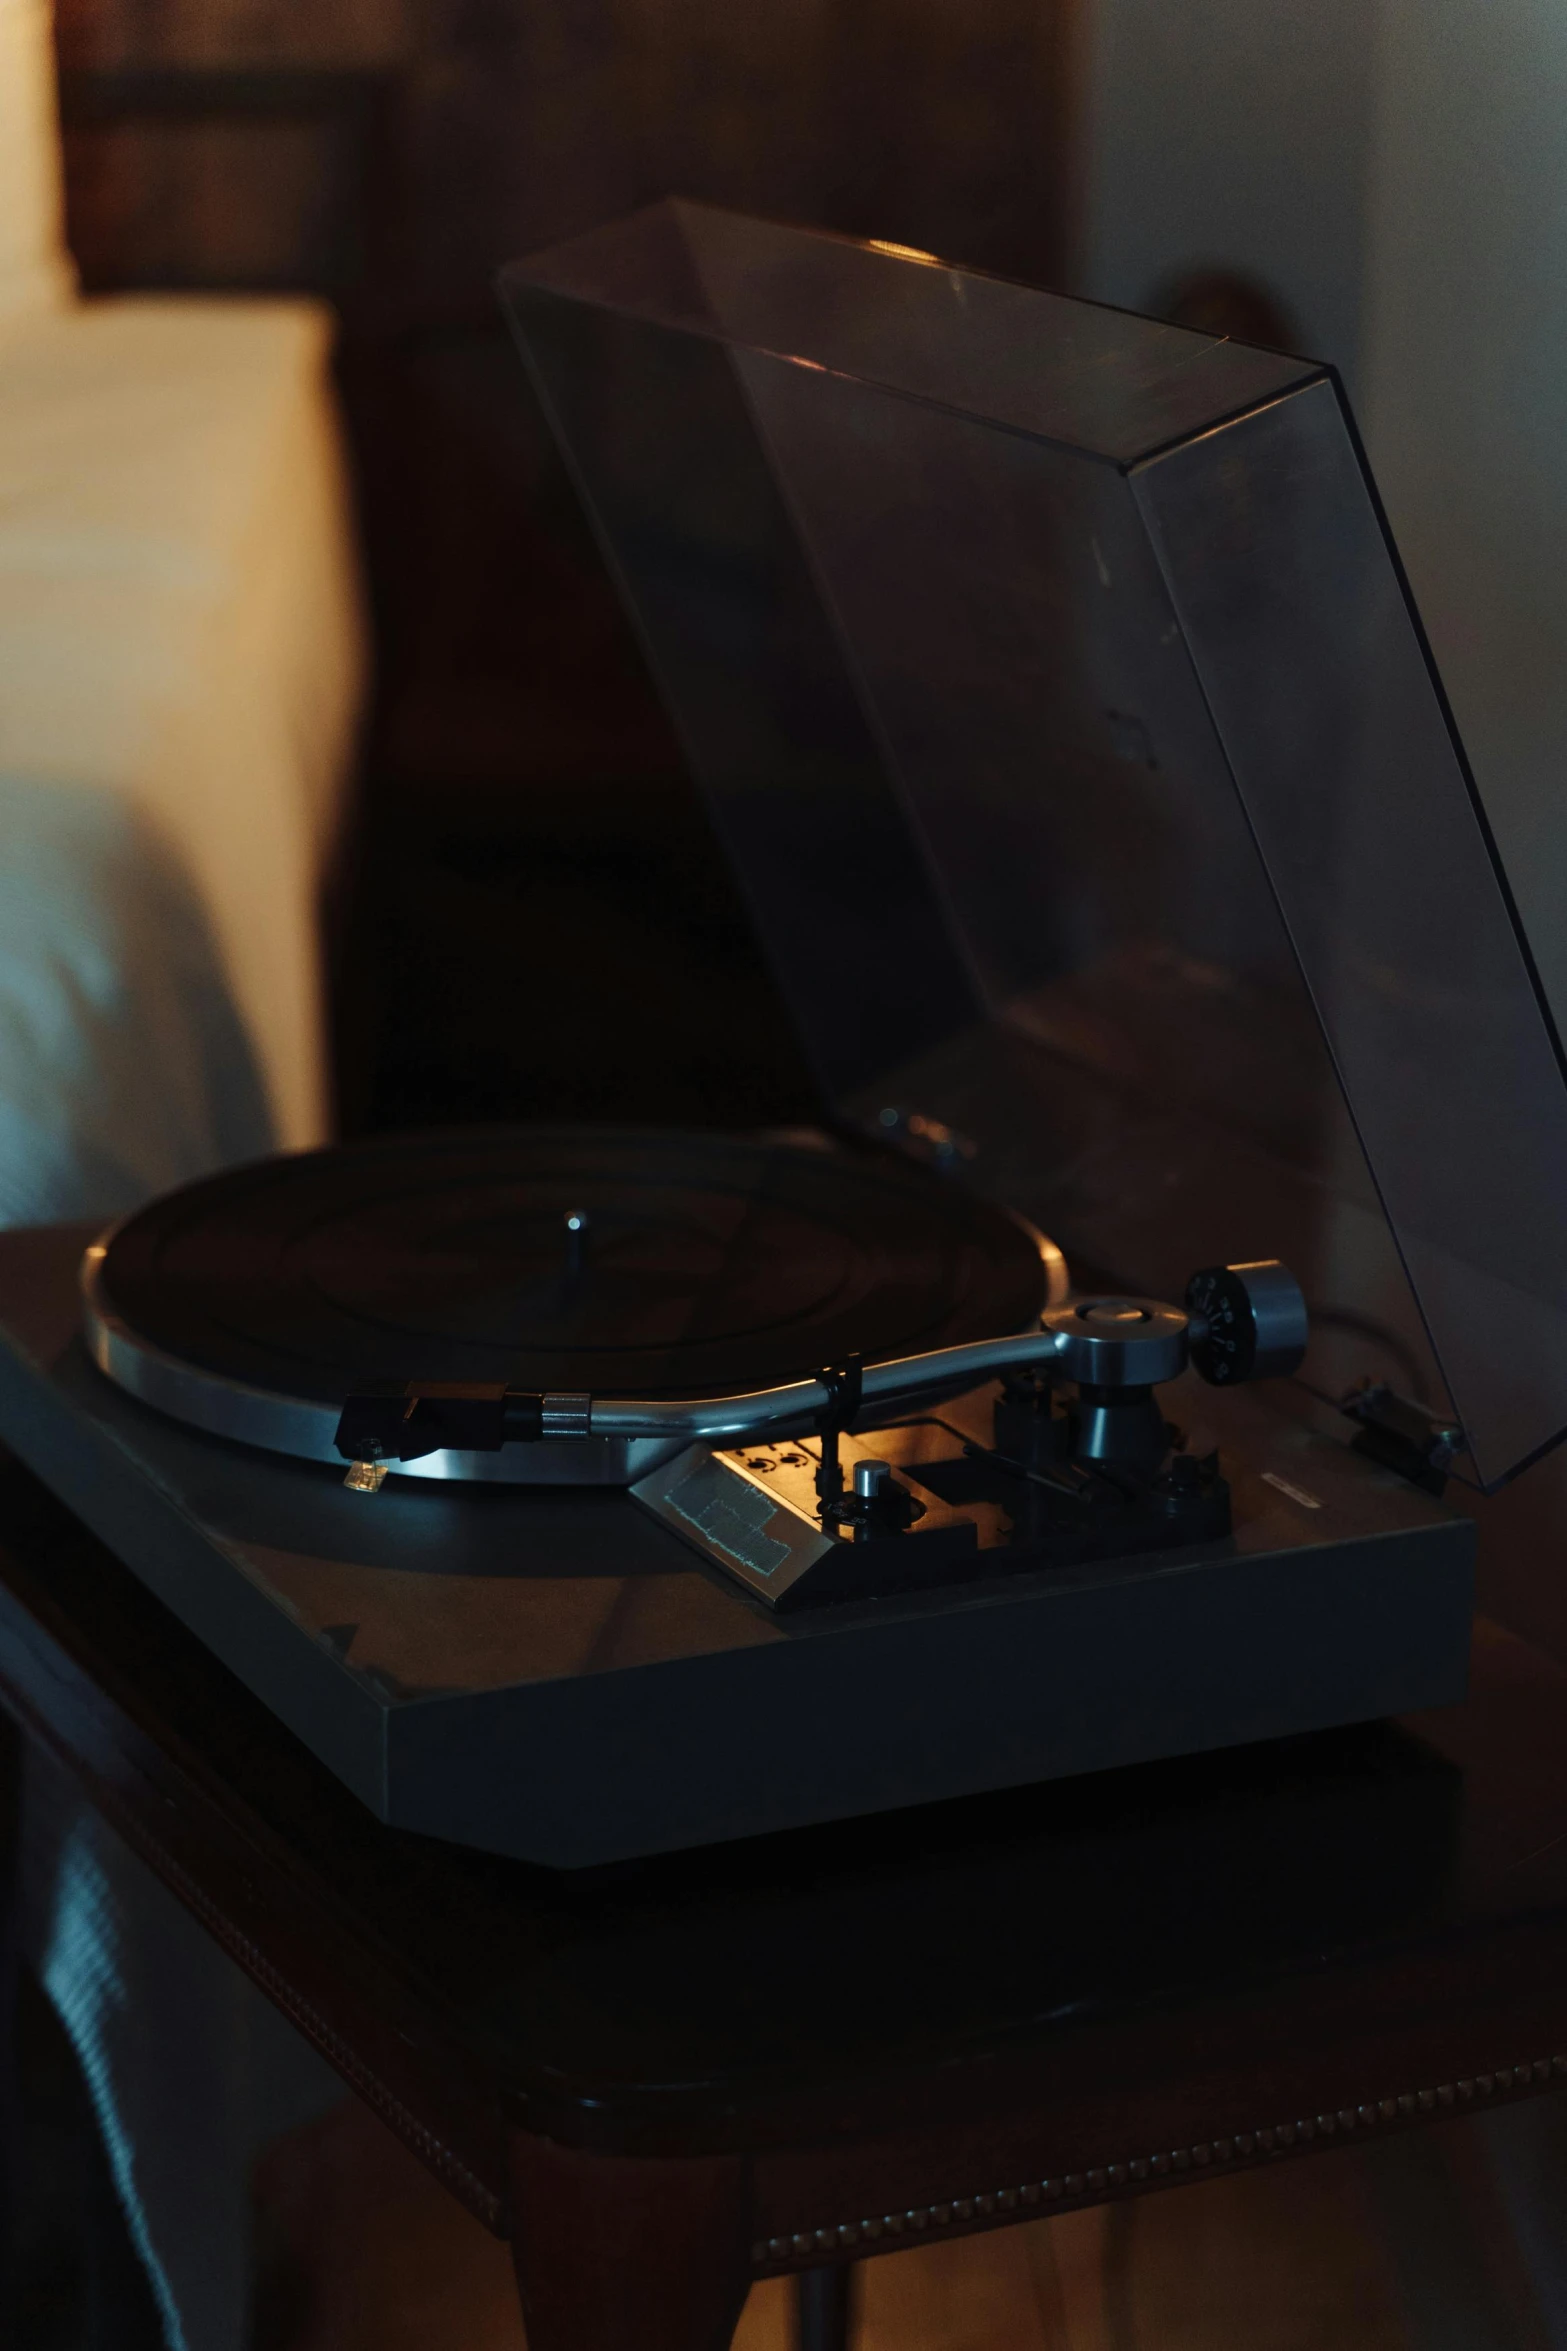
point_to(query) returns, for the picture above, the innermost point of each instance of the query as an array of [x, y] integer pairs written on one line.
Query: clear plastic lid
[[1057, 693]]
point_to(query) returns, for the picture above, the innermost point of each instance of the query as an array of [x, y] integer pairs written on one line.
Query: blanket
[[124, 1069]]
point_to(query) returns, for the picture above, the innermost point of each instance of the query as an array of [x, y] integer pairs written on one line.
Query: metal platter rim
[[303, 1430]]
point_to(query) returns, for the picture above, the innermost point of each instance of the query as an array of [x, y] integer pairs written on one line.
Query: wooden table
[[670, 2079]]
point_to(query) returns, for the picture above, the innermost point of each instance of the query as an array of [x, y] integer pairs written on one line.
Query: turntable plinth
[[552, 1674]]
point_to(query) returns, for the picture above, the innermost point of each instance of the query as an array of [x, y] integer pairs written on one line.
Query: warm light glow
[[900, 252]]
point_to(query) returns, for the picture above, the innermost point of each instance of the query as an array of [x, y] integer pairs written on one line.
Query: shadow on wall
[[1223, 302]]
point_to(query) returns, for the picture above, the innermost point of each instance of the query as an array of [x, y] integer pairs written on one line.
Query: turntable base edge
[[555, 1677]]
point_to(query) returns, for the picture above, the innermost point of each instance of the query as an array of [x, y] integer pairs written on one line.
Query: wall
[[1231, 134], [1465, 396], [1396, 171]]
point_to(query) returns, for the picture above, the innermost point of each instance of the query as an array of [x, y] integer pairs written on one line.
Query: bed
[[181, 673]]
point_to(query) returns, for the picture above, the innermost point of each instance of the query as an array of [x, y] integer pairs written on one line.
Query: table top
[[1392, 1899]]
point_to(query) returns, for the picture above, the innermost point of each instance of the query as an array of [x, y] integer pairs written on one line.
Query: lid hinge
[[1402, 1435]]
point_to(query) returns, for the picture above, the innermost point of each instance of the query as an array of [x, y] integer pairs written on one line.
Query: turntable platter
[[619, 1261]]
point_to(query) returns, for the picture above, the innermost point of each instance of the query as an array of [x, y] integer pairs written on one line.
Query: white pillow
[[35, 269]]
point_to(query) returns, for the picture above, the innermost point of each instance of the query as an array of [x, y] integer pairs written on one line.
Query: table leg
[[825, 2306], [622, 2254]]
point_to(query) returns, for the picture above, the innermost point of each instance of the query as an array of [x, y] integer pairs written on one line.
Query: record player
[[1185, 1213]]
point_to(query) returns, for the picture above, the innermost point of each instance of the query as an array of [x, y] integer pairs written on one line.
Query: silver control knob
[[1248, 1322], [868, 1476]]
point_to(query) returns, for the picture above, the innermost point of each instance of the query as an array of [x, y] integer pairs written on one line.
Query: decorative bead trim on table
[[808, 2248], [366, 2085]]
